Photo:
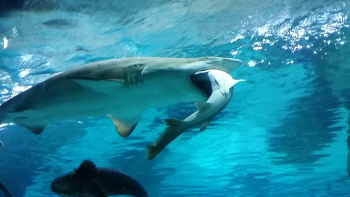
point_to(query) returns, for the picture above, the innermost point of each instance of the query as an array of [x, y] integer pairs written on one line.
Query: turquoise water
[[283, 133]]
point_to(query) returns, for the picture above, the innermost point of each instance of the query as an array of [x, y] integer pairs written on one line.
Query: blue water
[[283, 133]]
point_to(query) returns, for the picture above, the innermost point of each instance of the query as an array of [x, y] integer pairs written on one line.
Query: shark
[[221, 85], [121, 89], [90, 181]]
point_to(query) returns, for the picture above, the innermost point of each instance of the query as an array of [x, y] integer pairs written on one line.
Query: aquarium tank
[[283, 133]]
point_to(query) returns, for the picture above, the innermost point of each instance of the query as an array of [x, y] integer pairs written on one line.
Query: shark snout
[[232, 63], [225, 64]]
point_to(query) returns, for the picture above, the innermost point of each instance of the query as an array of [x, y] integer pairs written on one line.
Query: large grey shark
[[119, 88], [91, 181]]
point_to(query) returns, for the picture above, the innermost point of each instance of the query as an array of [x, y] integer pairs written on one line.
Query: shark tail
[[152, 151], [169, 134]]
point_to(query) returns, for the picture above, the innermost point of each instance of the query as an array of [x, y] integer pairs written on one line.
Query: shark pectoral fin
[[95, 192], [123, 128], [204, 125]]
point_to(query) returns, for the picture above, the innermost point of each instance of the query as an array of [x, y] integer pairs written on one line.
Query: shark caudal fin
[[174, 129], [152, 151]]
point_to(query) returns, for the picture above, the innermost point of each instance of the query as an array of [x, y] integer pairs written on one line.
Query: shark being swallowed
[[122, 89]]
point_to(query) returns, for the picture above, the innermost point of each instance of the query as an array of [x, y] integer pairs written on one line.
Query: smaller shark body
[[221, 87], [90, 181]]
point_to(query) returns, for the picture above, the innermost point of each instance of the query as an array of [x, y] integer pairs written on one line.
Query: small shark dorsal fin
[[87, 169], [124, 129], [202, 105], [173, 122]]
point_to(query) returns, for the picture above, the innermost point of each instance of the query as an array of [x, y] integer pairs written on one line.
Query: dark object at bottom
[[90, 181], [4, 190]]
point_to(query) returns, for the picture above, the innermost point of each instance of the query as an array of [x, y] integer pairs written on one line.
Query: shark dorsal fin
[[87, 169], [123, 129]]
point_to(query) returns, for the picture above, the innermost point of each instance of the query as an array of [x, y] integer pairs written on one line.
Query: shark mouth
[[202, 82]]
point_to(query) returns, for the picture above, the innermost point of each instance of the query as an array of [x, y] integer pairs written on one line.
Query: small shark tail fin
[[152, 151], [174, 129]]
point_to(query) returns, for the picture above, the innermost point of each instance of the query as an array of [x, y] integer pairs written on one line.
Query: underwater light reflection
[[6, 41]]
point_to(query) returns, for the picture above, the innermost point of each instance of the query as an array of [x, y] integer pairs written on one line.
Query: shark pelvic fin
[[202, 105], [173, 122], [36, 129], [124, 129], [204, 125], [35, 124]]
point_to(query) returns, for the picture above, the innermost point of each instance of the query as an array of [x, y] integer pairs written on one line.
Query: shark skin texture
[[121, 89]]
